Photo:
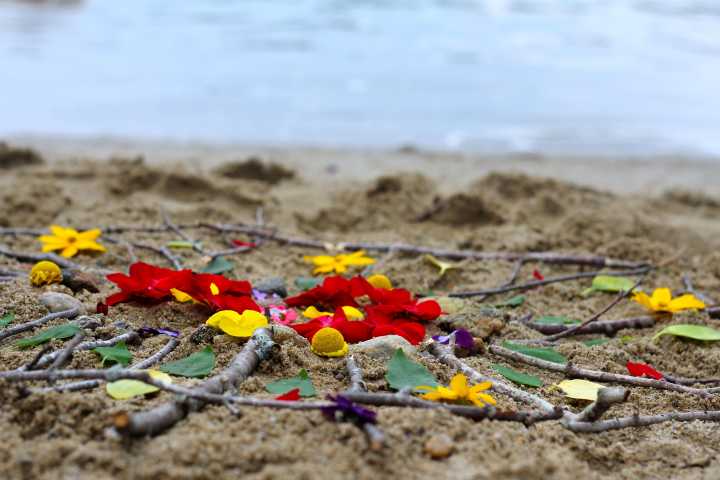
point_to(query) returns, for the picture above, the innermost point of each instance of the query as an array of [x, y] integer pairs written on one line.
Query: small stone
[[77, 280], [59, 302], [272, 285], [439, 446], [383, 347]]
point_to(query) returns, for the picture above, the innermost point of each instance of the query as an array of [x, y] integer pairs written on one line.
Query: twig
[[376, 438], [576, 372], [640, 421], [50, 357], [608, 327], [24, 327], [37, 257], [547, 281], [229, 251], [171, 226], [65, 354], [33, 363], [606, 398], [162, 417], [689, 288]]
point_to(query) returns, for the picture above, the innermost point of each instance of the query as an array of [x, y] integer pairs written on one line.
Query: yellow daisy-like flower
[[380, 281], [459, 392], [351, 313], [45, 273], [69, 241], [662, 301], [329, 342], [236, 324], [338, 263]]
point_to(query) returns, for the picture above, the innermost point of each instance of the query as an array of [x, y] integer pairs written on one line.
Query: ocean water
[[626, 77]]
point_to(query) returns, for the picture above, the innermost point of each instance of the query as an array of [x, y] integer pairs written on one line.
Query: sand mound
[[255, 168], [11, 157]]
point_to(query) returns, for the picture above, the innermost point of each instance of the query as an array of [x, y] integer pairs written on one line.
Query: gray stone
[[274, 285], [383, 347], [59, 302], [283, 334]]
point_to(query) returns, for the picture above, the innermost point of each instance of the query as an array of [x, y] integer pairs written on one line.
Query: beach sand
[[663, 211]]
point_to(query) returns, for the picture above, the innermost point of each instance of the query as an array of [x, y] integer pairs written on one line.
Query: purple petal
[[463, 339], [348, 411], [158, 331]]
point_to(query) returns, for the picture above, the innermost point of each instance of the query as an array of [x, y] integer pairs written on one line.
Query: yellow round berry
[[45, 273], [329, 342]]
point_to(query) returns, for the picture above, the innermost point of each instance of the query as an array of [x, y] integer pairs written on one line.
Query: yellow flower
[[236, 324], [459, 392], [70, 241], [662, 301], [45, 273], [380, 281], [351, 313], [328, 342], [338, 263]]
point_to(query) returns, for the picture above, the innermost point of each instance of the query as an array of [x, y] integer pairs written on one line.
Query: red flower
[[221, 293], [291, 396], [643, 369], [352, 330], [413, 332], [537, 275], [334, 292], [147, 282], [240, 243]]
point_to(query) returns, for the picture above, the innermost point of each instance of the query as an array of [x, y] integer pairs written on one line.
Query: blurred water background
[[611, 77]]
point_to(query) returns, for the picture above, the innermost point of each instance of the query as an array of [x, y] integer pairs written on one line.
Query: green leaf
[[218, 265], [696, 332], [607, 283], [542, 353], [7, 319], [301, 381], [513, 302], [518, 377], [404, 373], [198, 364], [553, 320], [181, 244], [61, 331], [306, 283], [595, 342], [118, 353]]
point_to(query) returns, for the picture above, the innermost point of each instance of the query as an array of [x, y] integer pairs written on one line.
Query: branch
[[164, 416], [65, 354], [24, 327], [689, 288], [50, 357], [37, 257], [576, 372], [547, 281], [608, 327], [376, 438], [640, 421], [606, 398], [171, 226]]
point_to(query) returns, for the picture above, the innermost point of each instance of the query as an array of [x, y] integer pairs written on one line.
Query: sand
[[451, 201]]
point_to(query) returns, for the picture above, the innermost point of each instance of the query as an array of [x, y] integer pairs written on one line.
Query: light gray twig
[[24, 327]]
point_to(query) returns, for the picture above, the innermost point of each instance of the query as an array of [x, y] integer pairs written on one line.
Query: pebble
[[58, 302], [274, 285], [383, 347], [439, 446]]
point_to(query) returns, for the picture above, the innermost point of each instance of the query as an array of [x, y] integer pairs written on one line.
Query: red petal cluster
[[151, 284], [643, 370], [390, 312]]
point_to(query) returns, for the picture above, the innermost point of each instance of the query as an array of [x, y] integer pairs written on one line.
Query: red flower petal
[[413, 332], [537, 275], [101, 308], [240, 243], [643, 369], [291, 396]]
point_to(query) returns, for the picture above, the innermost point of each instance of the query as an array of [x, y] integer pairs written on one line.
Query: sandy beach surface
[[663, 211]]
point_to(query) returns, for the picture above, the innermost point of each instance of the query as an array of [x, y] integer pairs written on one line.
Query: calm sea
[[571, 76]]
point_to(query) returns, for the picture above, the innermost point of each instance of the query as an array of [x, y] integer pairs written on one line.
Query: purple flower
[[345, 410], [463, 339], [158, 331]]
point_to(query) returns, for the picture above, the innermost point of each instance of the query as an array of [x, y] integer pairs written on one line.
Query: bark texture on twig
[[640, 421], [49, 358], [606, 398], [607, 327], [24, 327], [65, 354], [375, 436]]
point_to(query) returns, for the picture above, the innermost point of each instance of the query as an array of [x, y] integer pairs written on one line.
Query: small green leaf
[[306, 283], [542, 353], [553, 320], [404, 373], [695, 332], [518, 377], [61, 331], [607, 283], [198, 364], [513, 302], [7, 319], [180, 244], [218, 265], [118, 353], [595, 342], [301, 381]]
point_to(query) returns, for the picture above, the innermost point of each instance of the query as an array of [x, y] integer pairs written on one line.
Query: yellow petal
[[69, 251], [312, 312], [442, 266], [324, 269], [183, 297], [434, 396], [685, 302], [214, 320], [425, 387], [50, 248], [89, 234], [214, 288], [480, 387], [447, 394], [643, 299], [52, 239], [359, 261], [458, 384], [249, 321], [359, 253], [61, 232], [124, 389], [329, 342], [661, 297], [580, 389], [89, 245], [319, 259], [380, 281], [353, 313], [486, 398]]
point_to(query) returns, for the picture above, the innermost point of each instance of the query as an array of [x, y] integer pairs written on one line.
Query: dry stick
[[446, 356], [376, 438], [162, 417], [608, 327], [548, 281], [88, 384], [229, 251], [171, 226], [24, 327], [606, 398], [640, 421], [576, 372], [687, 283], [37, 257], [50, 357], [572, 330], [65, 354]]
